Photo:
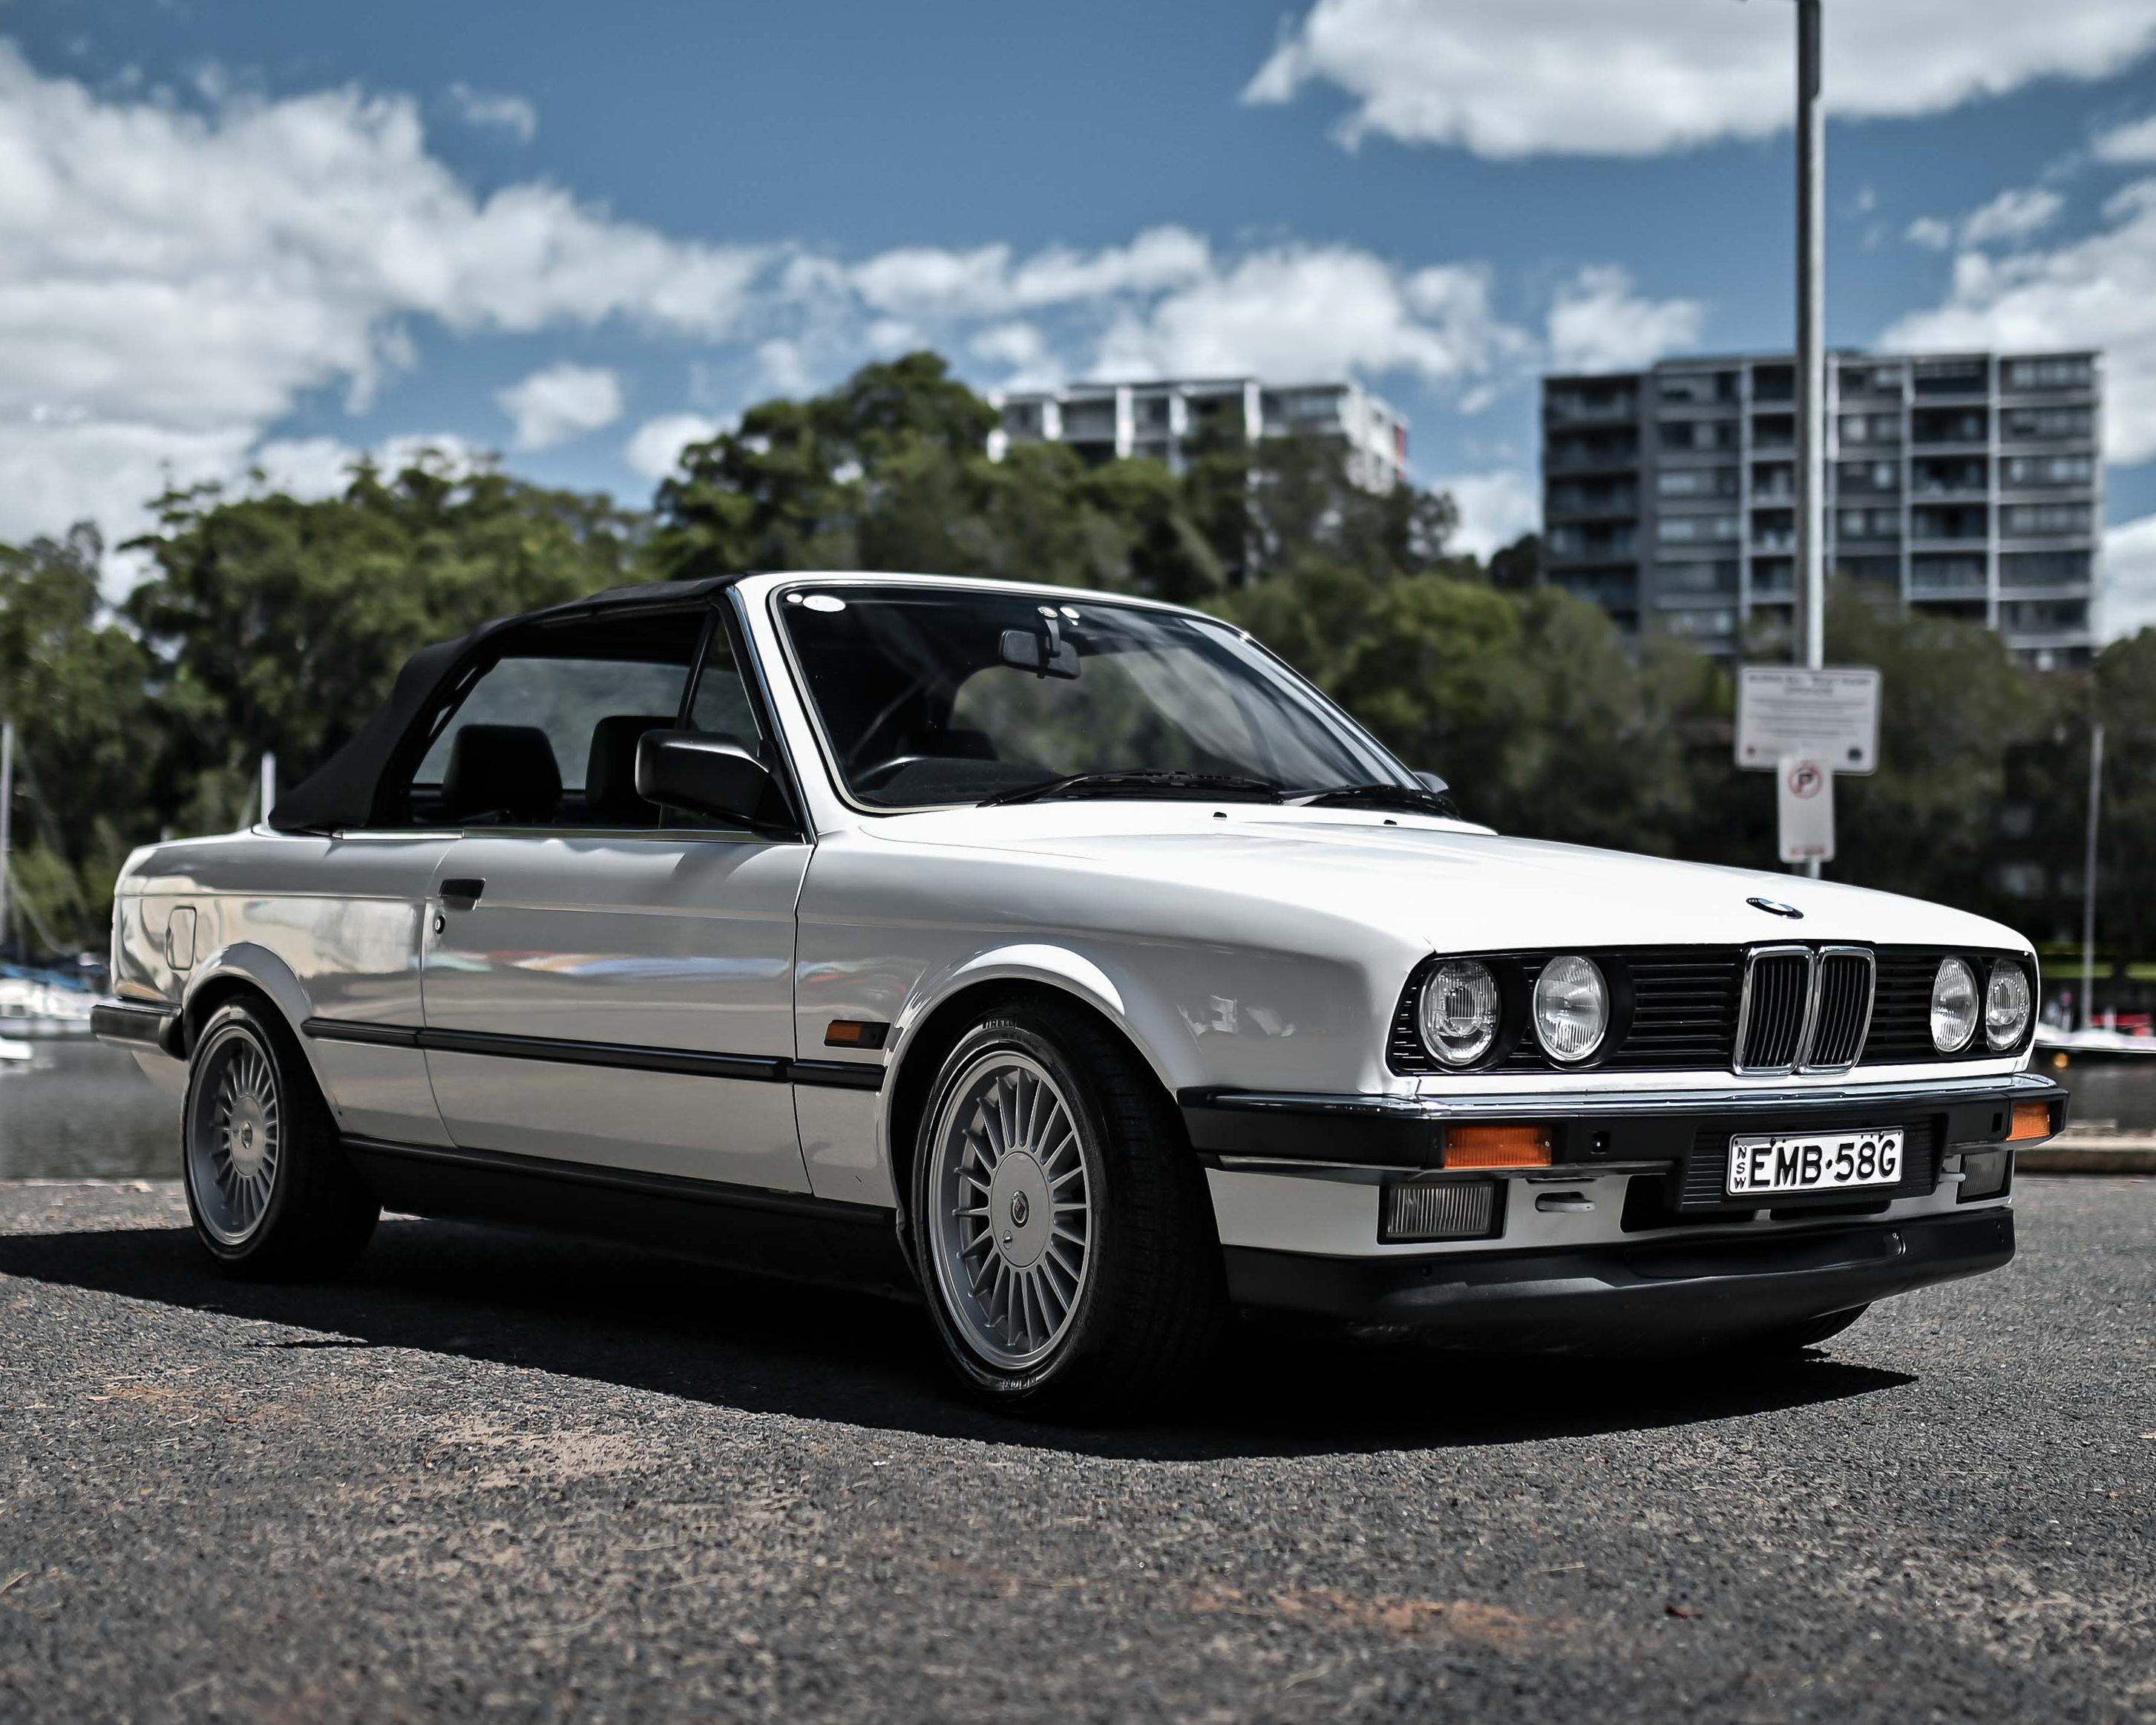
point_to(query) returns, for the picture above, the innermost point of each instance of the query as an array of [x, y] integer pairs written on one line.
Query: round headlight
[[1572, 1008], [1458, 1012], [1953, 1006], [2006, 1005]]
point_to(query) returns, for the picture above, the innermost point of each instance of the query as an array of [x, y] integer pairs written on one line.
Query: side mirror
[[1433, 783], [708, 775]]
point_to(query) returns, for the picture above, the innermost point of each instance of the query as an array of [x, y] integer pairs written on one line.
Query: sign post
[[1805, 726]]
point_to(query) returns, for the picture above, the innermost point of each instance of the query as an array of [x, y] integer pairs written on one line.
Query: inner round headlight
[[1953, 1006], [1458, 1011], [1572, 1008], [2005, 1005]]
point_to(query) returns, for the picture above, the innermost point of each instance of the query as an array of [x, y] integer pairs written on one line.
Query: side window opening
[[546, 736]]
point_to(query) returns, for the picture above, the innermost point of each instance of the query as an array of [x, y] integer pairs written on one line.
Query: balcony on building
[[1616, 495], [1595, 542], [1933, 573], [1589, 451], [1773, 431], [1948, 425], [1586, 401], [1949, 520], [1935, 379], [1949, 477]]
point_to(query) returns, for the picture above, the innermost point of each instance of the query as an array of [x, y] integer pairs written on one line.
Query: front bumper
[[1653, 1297]]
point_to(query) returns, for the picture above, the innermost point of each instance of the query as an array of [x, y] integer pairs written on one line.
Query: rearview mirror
[[708, 775], [1048, 655]]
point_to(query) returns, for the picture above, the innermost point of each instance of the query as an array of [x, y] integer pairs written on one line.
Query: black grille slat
[[1844, 1006], [1774, 1028]]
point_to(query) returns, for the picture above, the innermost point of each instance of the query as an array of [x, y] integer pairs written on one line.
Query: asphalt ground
[[495, 1476]]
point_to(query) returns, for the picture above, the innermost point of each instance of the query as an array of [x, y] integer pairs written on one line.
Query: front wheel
[[267, 1188], [1060, 1220]]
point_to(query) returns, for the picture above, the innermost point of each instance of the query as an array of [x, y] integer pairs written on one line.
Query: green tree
[[278, 625], [76, 686]]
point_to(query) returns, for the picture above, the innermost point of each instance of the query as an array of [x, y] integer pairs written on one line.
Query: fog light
[[2031, 1120], [1985, 1174], [1442, 1209], [1497, 1147]]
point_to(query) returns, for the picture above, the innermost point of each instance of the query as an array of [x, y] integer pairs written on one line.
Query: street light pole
[[1809, 642]]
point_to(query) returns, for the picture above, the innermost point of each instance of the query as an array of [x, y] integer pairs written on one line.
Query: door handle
[[461, 894]]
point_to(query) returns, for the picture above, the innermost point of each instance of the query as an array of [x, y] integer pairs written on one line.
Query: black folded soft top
[[348, 790]]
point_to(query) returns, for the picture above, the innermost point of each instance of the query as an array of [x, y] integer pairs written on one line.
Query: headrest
[[505, 771], [610, 798]]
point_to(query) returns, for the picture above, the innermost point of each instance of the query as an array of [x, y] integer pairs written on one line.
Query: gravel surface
[[499, 1476]]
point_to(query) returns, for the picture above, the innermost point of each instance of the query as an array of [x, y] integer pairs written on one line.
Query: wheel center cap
[[1021, 1208], [250, 1138]]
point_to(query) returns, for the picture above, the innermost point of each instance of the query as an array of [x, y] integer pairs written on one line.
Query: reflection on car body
[[1065, 961]]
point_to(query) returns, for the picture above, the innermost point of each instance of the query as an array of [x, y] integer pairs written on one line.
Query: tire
[[1099, 1287], [269, 1189], [1793, 1338]]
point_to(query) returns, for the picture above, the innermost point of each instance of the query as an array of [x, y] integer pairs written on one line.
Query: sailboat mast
[[7, 818]]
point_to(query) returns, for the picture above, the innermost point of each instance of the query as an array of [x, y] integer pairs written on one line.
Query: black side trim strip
[[124, 1021], [836, 1075], [351, 1030], [766, 1068], [618, 1179], [761, 1069]]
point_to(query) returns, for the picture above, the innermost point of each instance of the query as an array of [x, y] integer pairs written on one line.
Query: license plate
[[1814, 1162]]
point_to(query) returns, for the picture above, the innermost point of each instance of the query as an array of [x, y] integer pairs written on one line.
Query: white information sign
[[1805, 802], [1828, 716]]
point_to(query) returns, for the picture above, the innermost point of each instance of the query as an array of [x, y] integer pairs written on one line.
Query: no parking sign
[[1805, 796]]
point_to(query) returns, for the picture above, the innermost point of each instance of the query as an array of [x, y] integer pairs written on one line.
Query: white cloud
[[1495, 509], [2129, 578], [1597, 323], [562, 402], [656, 447], [1293, 312], [2098, 290], [172, 282], [493, 112], [317, 467], [2016, 214], [914, 282], [2134, 142], [2013, 216], [1526, 77]]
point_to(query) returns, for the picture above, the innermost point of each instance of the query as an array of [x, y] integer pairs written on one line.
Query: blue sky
[[236, 233]]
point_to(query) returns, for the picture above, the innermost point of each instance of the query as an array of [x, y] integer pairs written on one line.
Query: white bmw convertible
[[1067, 962]]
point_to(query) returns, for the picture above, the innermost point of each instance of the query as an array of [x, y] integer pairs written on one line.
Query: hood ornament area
[[1775, 907]]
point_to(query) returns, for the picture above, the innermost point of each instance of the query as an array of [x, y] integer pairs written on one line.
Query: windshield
[[936, 695]]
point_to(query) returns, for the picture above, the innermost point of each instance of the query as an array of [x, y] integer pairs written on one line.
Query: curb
[[2136, 1155]]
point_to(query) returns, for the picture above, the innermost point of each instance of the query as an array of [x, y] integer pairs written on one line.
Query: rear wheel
[[267, 1186], [1060, 1221]]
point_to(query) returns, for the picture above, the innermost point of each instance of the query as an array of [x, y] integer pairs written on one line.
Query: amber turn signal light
[[1497, 1147], [2031, 1120]]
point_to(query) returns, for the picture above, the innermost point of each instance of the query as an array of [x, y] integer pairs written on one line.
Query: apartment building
[[1968, 484], [1106, 421]]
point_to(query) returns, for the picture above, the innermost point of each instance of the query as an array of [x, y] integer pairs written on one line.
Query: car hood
[[1456, 887]]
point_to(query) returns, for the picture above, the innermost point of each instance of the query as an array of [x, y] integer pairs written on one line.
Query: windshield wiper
[[1414, 799], [1195, 787]]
